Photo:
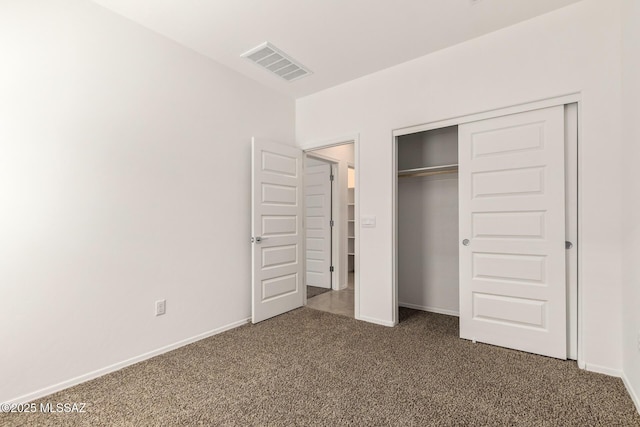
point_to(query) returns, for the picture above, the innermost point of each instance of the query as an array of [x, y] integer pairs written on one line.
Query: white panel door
[[512, 223], [317, 194], [276, 194]]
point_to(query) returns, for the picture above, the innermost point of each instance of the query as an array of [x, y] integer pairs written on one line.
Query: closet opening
[[427, 218], [486, 225], [330, 229]]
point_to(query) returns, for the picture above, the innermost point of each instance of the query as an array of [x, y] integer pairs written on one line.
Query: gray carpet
[[314, 291], [308, 367]]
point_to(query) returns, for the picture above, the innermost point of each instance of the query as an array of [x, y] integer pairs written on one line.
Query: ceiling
[[339, 40]]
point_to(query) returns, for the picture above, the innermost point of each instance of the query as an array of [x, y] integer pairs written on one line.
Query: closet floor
[[336, 302]]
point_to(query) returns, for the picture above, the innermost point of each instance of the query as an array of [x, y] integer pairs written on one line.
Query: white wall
[[428, 256], [124, 179], [344, 155], [631, 199], [574, 49]]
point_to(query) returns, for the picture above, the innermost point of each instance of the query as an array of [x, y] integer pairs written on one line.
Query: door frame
[[573, 192], [334, 208], [332, 142]]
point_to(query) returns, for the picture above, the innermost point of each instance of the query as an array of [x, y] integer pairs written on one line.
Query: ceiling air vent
[[273, 59]]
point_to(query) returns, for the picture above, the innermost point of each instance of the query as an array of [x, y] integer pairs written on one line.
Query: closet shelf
[[431, 170]]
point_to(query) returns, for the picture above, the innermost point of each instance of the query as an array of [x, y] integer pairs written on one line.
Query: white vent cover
[[273, 59]]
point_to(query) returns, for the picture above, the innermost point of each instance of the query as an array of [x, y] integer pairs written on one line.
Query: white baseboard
[[430, 309], [376, 321], [632, 392], [603, 370], [117, 366]]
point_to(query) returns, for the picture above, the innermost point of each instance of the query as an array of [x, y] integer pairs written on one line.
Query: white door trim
[[322, 157], [332, 142], [481, 115], [571, 227], [572, 98]]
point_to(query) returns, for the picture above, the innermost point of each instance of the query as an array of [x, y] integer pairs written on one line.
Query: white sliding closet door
[[512, 227]]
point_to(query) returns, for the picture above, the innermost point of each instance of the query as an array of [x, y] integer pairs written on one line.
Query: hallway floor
[[336, 302]]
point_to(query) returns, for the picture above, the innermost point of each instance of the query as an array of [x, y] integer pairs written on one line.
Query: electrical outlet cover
[[161, 307]]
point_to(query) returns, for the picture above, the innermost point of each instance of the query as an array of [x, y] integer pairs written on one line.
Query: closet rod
[[428, 171]]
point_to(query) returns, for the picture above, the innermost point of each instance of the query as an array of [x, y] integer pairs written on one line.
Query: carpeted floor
[[314, 291], [308, 367]]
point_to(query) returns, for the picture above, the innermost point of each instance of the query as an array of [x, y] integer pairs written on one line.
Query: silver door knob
[[465, 242], [568, 245], [258, 239]]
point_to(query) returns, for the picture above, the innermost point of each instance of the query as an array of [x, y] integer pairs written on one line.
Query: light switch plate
[[368, 221]]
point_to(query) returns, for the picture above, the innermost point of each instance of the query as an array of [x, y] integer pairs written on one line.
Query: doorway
[[278, 282], [339, 256]]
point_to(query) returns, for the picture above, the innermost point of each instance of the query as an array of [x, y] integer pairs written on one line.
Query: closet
[[428, 241], [486, 216]]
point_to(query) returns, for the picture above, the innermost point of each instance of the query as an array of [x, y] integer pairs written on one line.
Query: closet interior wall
[[428, 276]]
